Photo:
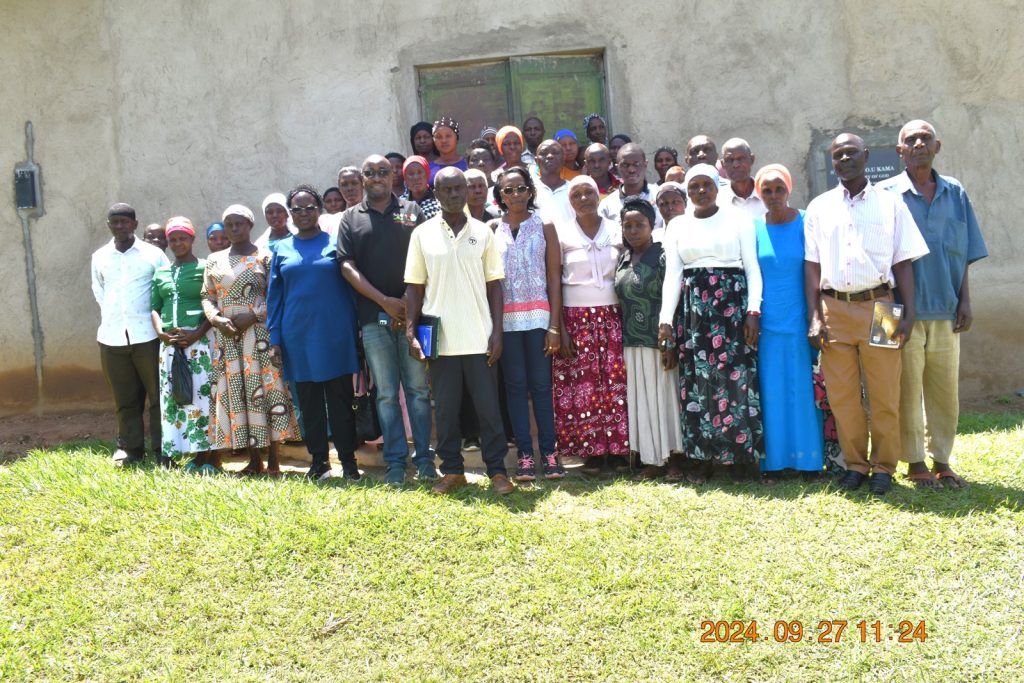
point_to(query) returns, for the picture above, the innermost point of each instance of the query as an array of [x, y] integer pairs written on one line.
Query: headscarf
[[446, 122], [422, 125], [590, 117], [488, 130], [701, 170], [769, 169], [499, 138], [670, 185], [239, 210], [416, 159], [179, 224], [214, 227], [583, 180], [475, 173], [565, 133], [275, 198]]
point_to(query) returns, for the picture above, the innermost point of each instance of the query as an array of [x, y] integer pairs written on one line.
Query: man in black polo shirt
[[373, 239]]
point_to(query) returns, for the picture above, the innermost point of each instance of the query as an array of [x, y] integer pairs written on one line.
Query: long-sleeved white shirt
[[122, 284], [724, 240]]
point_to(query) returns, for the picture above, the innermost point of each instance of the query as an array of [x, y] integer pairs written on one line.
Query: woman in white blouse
[[589, 372], [711, 307]]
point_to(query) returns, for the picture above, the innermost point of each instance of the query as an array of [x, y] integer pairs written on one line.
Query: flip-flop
[[955, 480], [924, 480]]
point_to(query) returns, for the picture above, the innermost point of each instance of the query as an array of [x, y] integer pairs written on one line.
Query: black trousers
[[468, 421], [447, 375], [133, 373], [323, 401]]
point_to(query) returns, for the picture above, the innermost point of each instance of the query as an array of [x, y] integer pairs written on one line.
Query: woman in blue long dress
[[311, 317], [792, 422]]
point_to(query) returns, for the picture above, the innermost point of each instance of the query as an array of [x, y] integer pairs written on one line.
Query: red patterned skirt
[[590, 389]]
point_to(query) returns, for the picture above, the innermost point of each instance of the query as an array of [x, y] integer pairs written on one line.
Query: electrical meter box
[[27, 196]]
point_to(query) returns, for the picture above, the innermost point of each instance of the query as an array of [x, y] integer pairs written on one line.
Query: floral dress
[[251, 405]]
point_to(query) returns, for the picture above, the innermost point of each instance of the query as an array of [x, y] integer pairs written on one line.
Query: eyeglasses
[[514, 189], [376, 173], [305, 209]]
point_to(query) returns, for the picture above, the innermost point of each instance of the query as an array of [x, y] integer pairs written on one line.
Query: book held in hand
[[428, 335], [884, 321]]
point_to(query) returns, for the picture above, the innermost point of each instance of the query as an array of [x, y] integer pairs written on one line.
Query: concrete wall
[[187, 107]]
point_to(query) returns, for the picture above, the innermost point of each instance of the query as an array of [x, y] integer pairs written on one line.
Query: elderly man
[[702, 150], [739, 191], [598, 161], [122, 281], [454, 272], [632, 165], [553, 190], [929, 387], [154, 234], [373, 239], [859, 242]]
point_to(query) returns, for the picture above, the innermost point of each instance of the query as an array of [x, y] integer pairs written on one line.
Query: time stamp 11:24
[[827, 631]]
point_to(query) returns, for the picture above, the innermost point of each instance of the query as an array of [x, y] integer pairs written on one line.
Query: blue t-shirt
[[435, 167], [311, 310], [954, 240]]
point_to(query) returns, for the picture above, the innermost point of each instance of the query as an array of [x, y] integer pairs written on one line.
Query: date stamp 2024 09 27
[[827, 631]]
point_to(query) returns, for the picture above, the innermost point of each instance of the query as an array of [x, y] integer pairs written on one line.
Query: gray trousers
[[132, 371]]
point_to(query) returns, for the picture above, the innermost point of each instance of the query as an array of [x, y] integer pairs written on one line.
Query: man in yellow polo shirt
[[453, 272]]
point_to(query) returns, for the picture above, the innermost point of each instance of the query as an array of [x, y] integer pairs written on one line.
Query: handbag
[[181, 378], [364, 402]]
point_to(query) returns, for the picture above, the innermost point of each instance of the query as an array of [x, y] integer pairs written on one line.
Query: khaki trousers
[[929, 391], [848, 325]]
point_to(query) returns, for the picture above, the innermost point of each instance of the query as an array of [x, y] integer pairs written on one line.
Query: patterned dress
[[176, 296], [251, 405]]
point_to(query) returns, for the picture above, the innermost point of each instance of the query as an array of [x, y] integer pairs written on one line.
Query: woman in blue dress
[[792, 422], [311, 317]]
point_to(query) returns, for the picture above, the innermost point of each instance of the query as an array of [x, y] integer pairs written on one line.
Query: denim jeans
[[528, 371], [387, 354]]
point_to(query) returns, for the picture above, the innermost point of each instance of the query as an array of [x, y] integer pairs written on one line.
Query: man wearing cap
[[929, 388], [454, 272], [860, 242], [739, 191], [122, 280]]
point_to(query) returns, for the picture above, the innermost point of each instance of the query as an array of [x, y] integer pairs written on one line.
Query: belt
[[863, 295]]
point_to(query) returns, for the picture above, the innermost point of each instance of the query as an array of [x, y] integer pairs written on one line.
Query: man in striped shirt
[[860, 242]]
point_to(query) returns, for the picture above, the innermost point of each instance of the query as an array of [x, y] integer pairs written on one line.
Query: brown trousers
[[848, 325]]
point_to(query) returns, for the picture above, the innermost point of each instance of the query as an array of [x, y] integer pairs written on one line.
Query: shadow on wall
[[66, 386]]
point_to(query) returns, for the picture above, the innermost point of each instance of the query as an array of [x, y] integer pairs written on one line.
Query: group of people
[[696, 322]]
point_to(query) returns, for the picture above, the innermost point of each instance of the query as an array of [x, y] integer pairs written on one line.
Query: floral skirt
[[590, 389], [184, 428], [835, 463], [718, 389]]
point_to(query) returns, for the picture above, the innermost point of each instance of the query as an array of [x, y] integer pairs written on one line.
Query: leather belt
[[863, 295]]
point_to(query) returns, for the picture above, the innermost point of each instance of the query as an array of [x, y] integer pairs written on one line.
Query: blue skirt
[[792, 423]]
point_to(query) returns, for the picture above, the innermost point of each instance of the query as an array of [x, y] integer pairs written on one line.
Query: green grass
[[146, 575]]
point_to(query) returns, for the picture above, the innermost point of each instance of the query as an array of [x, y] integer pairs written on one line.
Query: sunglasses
[[514, 189], [376, 173], [305, 209]]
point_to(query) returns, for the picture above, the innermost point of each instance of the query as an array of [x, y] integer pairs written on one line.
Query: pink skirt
[[590, 389]]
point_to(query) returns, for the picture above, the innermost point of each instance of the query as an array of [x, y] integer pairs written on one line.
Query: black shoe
[[319, 471], [851, 481], [471, 445], [880, 483]]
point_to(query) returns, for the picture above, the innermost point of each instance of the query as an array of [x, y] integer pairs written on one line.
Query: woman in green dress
[[177, 313]]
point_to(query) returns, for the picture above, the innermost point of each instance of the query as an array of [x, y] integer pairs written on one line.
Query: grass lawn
[[114, 575]]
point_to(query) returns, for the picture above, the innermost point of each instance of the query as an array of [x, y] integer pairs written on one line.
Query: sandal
[[649, 473], [924, 480], [950, 479]]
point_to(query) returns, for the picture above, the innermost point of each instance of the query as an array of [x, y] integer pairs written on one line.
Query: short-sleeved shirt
[[435, 166], [611, 207], [638, 287], [377, 244], [178, 294], [954, 240], [752, 205], [856, 240], [455, 270]]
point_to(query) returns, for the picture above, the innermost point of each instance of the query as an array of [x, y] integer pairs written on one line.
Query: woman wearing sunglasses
[[531, 290]]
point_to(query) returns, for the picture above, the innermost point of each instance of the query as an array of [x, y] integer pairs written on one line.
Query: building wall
[[188, 107]]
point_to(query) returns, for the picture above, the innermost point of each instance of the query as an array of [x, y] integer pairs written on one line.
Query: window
[[558, 89]]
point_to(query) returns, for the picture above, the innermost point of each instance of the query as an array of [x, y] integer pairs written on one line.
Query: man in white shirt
[[552, 190], [122, 279], [860, 241], [739, 191], [632, 165]]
